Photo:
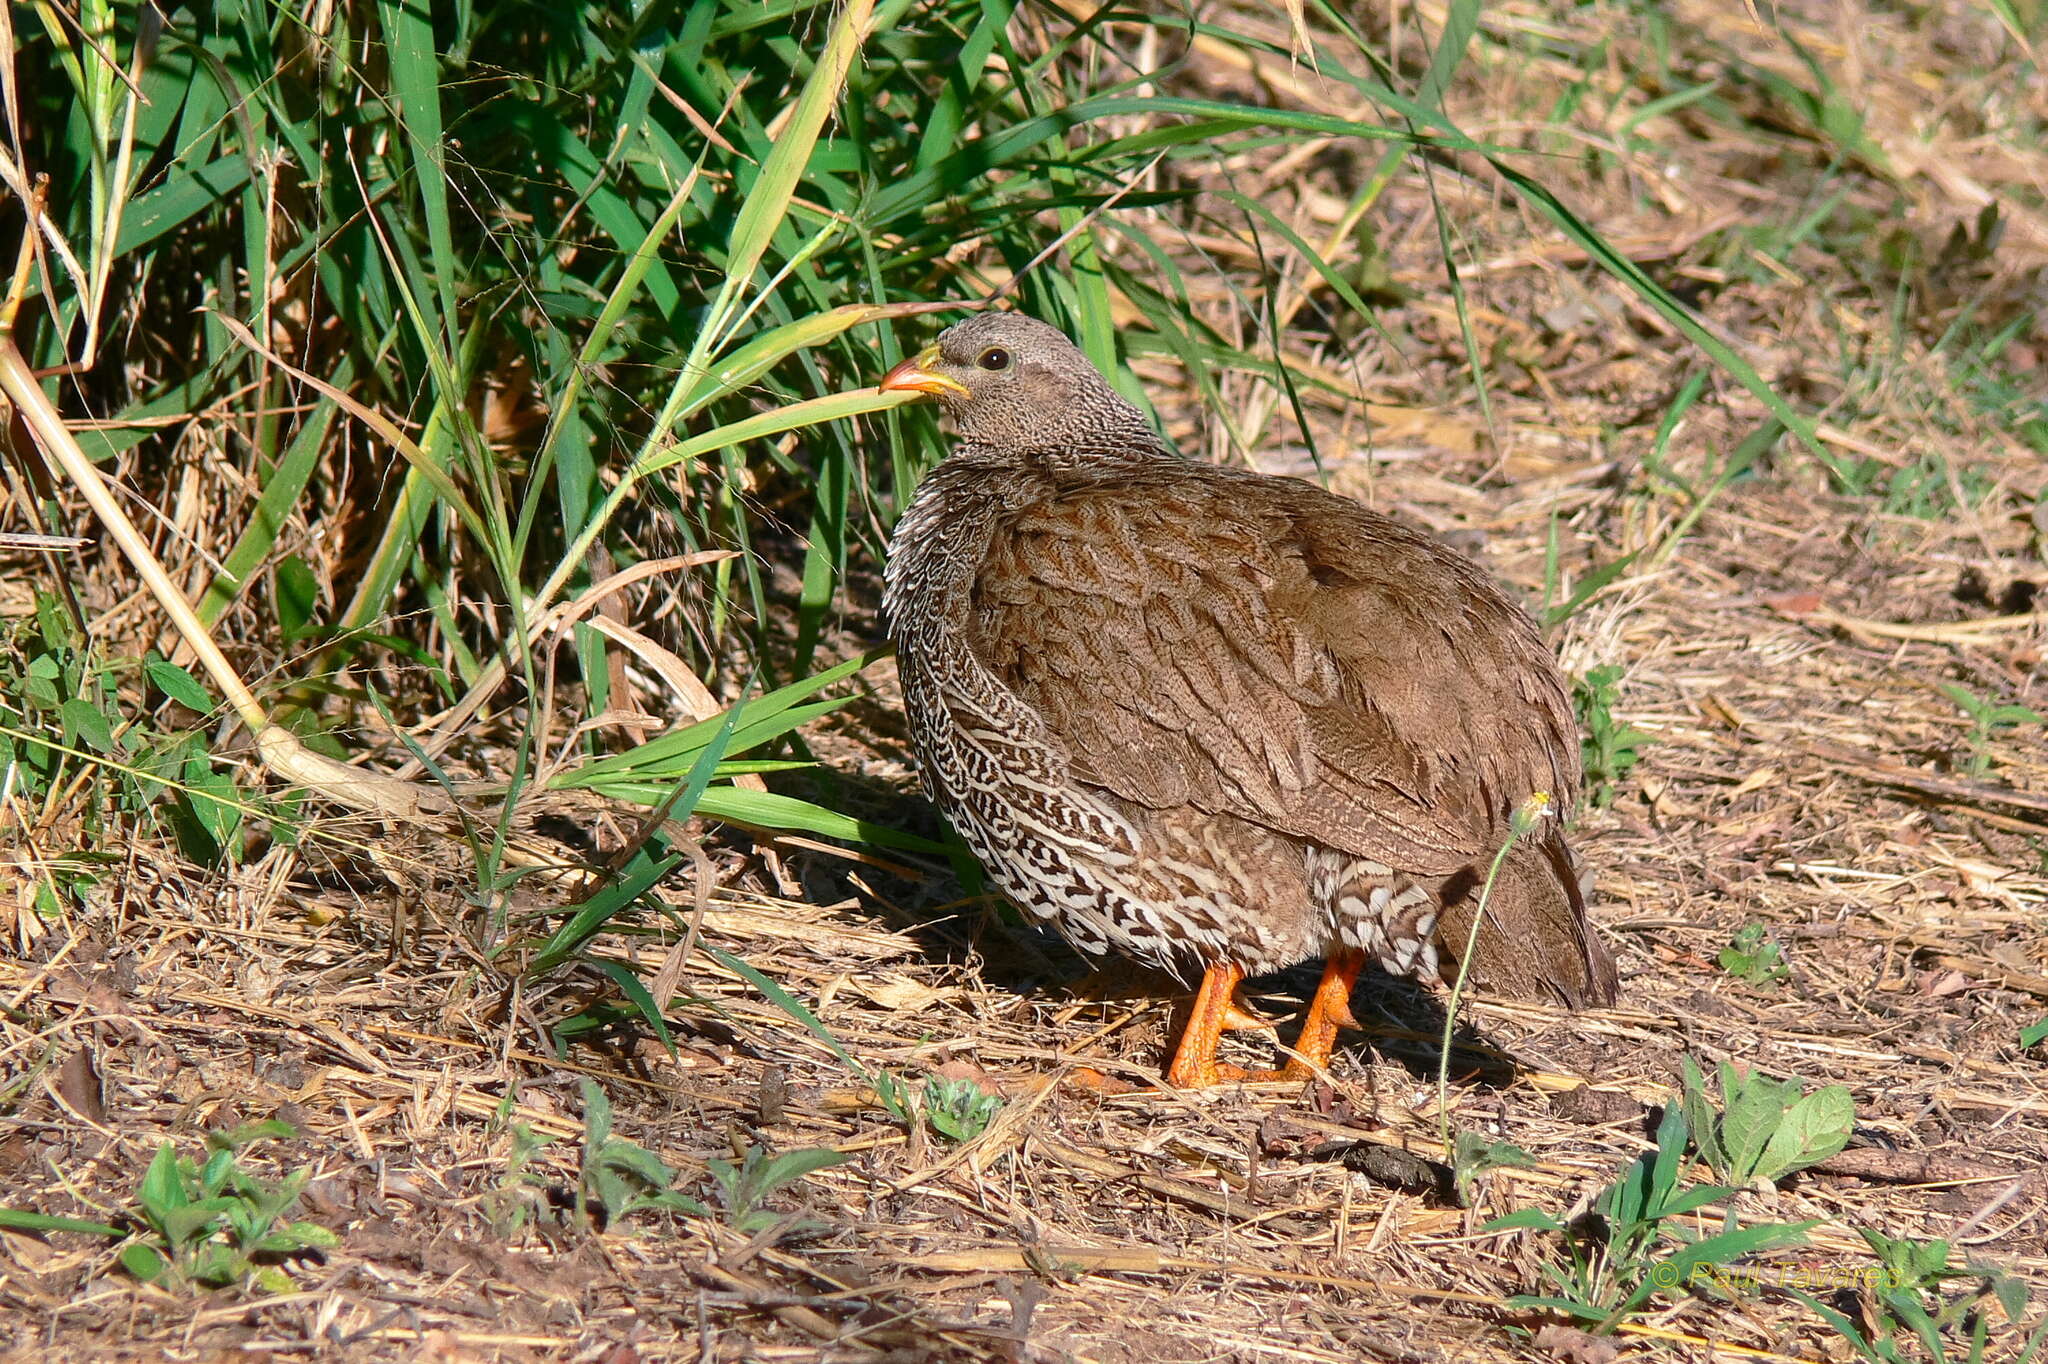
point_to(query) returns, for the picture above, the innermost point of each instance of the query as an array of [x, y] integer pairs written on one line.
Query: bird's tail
[[1536, 942]]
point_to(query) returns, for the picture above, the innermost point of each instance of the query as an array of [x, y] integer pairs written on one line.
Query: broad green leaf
[[1813, 1129], [85, 723], [174, 682], [162, 1190], [143, 1262]]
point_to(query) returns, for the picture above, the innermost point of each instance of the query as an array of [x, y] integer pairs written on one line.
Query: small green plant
[[1473, 1156], [216, 1224], [511, 1204], [61, 716], [1906, 1304], [2035, 1033], [620, 1177], [743, 1187], [959, 1110], [47, 687], [1987, 719], [1610, 748], [1613, 1262], [210, 1225], [1752, 959], [1764, 1129], [1930, 489], [1919, 1267]]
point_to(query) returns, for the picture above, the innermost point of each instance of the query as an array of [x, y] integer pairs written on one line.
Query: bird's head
[[1014, 383]]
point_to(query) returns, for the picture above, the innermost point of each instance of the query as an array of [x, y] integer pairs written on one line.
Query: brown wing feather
[[1257, 647]]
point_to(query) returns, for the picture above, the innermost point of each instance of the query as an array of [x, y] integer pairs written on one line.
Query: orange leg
[[1330, 1010], [1194, 1061]]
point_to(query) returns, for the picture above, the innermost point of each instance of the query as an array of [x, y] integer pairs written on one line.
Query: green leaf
[[84, 723], [1534, 1218], [213, 1176], [597, 1115], [1755, 1110], [1702, 1119], [298, 596], [789, 1004], [751, 723], [791, 1166], [1679, 1269], [195, 1220], [271, 1279], [2035, 1033], [174, 682], [1815, 1128], [788, 162], [181, 197], [1663, 1174], [770, 810], [1570, 1307], [2011, 1292], [242, 1134], [640, 875], [1692, 1199], [162, 1190], [143, 1262], [37, 1221], [630, 986], [294, 1238]]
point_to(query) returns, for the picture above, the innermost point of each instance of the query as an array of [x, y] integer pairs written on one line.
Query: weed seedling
[[959, 1110], [1764, 1129], [1987, 719], [1752, 959], [519, 1190], [1612, 1259], [2035, 1033], [211, 1225], [1905, 1304], [621, 1177], [745, 1186], [1610, 748], [1473, 1156]]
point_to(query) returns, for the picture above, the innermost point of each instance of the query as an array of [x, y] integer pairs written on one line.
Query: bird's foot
[[1212, 1073], [1238, 1016]]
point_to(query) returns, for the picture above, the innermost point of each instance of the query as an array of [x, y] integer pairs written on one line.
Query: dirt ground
[[1801, 768]]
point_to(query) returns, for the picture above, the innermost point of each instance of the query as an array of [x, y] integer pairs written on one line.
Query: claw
[[1238, 1016]]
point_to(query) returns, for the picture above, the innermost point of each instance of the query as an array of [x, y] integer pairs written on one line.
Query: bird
[[1217, 720]]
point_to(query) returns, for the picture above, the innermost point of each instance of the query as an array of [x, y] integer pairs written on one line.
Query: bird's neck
[[1095, 424], [939, 542]]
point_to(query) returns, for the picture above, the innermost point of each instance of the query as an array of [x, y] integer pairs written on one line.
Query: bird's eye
[[994, 358]]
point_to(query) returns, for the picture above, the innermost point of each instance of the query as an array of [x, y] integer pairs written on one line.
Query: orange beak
[[918, 375]]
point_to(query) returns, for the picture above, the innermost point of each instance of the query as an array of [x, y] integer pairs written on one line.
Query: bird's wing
[[1257, 647]]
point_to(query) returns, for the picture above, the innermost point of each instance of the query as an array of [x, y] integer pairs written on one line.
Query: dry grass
[[1806, 773]]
